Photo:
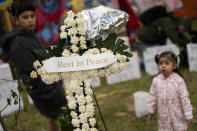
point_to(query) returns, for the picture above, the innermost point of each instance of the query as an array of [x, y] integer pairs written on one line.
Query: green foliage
[[114, 44], [65, 119], [54, 51]]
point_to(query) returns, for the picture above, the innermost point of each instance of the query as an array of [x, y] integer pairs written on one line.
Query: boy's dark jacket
[[18, 46]]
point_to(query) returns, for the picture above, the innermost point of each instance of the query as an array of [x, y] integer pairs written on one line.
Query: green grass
[[117, 105]]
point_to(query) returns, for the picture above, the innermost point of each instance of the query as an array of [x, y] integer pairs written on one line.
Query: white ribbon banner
[[76, 63]]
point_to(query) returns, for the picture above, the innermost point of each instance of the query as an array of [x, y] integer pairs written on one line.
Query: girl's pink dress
[[171, 98]]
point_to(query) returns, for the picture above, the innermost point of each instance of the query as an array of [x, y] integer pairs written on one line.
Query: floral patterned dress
[[171, 98]]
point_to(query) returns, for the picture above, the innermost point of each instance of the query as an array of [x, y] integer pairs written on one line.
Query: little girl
[[168, 93]]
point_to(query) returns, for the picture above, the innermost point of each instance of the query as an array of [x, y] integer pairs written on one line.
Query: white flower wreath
[[78, 83]]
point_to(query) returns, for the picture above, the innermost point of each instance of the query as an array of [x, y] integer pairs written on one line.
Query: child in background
[[169, 94], [19, 45]]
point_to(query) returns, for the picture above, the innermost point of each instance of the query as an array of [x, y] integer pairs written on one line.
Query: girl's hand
[[149, 117], [190, 121]]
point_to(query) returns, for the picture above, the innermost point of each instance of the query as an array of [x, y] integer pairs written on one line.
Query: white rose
[[88, 99], [81, 100], [33, 74], [80, 23], [77, 129], [74, 48], [55, 77], [85, 126], [74, 54], [82, 40], [65, 75], [44, 61], [82, 108], [103, 50], [83, 117], [74, 40], [121, 66], [79, 90], [83, 46], [47, 79], [87, 82], [73, 114], [90, 107], [90, 113], [63, 35], [88, 91], [121, 58], [96, 51], [109, 51], [75, 122], [41, 71], [107, 72], [92, 121], [70, 98], [72, 105], [79, 15], [72, 32], [66, 53], [70, 13], [36, 64], [62, 28], [93, 129], [114, 68], [81, 31]]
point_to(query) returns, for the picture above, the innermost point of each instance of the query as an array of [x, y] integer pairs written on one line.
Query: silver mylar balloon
[[102, 21]]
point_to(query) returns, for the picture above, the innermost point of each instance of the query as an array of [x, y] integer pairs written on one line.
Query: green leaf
[[109, 42], [113, 44], [117, 45]]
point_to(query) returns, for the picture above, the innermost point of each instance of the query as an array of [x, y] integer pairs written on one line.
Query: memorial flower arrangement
[[74, 43]]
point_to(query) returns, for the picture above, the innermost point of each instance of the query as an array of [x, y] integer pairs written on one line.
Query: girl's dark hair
[[19, 6], [172, 57]]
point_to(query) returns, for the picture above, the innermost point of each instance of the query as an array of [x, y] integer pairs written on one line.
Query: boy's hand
[[149, 117]]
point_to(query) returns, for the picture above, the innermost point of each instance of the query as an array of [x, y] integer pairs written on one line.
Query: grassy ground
[[116, 103]]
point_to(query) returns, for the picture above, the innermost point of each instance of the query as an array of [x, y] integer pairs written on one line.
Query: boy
[[18, 46]]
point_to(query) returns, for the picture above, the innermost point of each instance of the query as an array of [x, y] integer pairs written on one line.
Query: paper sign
[[140, 101], [96, 82], [5, 72], [192, 56], [5, 92], [76, 63], [149, 57], [131, 71]]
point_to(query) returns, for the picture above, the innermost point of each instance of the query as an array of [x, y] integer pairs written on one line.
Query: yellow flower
[[83, 46], [74, 40], [81, 31], [36, 64], [41, 71], [74, 48], [63, 35], [33, 74]]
